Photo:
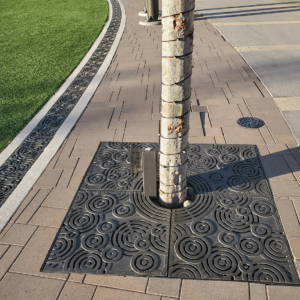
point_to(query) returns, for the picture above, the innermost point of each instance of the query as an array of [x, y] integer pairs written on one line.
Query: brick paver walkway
[[126, 108]]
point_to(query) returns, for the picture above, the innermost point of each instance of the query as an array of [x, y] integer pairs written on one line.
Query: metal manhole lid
[[250, 122]]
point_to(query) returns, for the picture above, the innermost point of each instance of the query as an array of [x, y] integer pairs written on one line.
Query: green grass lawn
[[41, 43]]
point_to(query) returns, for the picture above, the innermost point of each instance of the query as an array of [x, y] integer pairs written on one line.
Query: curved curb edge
[[15, 199]]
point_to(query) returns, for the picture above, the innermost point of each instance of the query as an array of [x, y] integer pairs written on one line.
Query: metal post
[[152, 10], [152, 17]]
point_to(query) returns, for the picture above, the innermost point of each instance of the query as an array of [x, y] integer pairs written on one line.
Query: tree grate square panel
[[231, 231]]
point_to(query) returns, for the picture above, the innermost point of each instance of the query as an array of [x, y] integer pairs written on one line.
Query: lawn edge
[[15, 199]]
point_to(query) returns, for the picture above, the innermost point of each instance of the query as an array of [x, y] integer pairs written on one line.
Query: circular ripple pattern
[[127, 233], [224, 166], [93, 241], [202, 162], [243, 211], [239, 183], [231, 198], [181, 270], [120, 173], [276, 249], [85, 262], [159, 238], [261, 230], [111, 254], [83, 221], [8, 170], [192, 249], [95, 179], [204, 201], [250, 246], [148, 209], [269, 272], [246, 267], [263, 208], [118, 145], [124, 210], [108, 226], [228, 148], [157, 230], [230, 220], [229, 158], [262, 188], [121, 157], [248, 153], [35, 143], [216, 177], [142, 244], [250, 122], [102, 156], [62, 249], [101, 204], [223, 261], [107, 164], [80, 198], [202, 227], [144, 262], [247, 169], [228, 238], [5, 189], [194, 148], [72, 234], [213, 151]]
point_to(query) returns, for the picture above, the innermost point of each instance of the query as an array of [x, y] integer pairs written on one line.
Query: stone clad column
[[177, 48]]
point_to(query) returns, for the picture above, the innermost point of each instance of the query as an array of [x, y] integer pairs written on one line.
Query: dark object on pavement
[[231, 230], [250, 122]]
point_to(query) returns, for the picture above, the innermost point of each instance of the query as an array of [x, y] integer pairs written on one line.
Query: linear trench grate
[[13, 170], [231, 231]]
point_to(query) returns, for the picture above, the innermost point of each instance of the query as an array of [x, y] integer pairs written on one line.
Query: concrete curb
[[12, 203]]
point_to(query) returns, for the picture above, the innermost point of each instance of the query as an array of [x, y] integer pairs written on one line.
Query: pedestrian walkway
[[126, 108], [264, 33]]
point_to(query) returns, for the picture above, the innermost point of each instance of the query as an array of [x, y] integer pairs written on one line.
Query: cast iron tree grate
[[231, 231], [250, 122]]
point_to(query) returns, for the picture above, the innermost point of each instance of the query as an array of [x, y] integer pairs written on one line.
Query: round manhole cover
[[250, 122]]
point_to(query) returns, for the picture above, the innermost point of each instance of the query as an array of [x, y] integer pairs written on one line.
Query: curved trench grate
[[16, 166]]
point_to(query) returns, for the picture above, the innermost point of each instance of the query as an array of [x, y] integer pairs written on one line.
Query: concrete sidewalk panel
[[32, 256], [25, 287], [214, 290]]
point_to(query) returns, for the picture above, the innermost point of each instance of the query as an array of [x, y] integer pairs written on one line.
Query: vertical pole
[[153, 10], [177, 48]]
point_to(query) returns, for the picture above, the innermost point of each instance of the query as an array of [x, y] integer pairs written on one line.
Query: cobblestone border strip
[[22, 162]]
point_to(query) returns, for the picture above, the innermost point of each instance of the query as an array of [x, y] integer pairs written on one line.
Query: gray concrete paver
[[3, 249], [288, 216], [59, 198], [25, 287], [114, 294], [8, 258], [24, 214], [48, 217], [48, 179], [257, 291], [18, 234], [164, 286], [137, 284], [77, 291], [214, 290], [32, 256], [283, 292]]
